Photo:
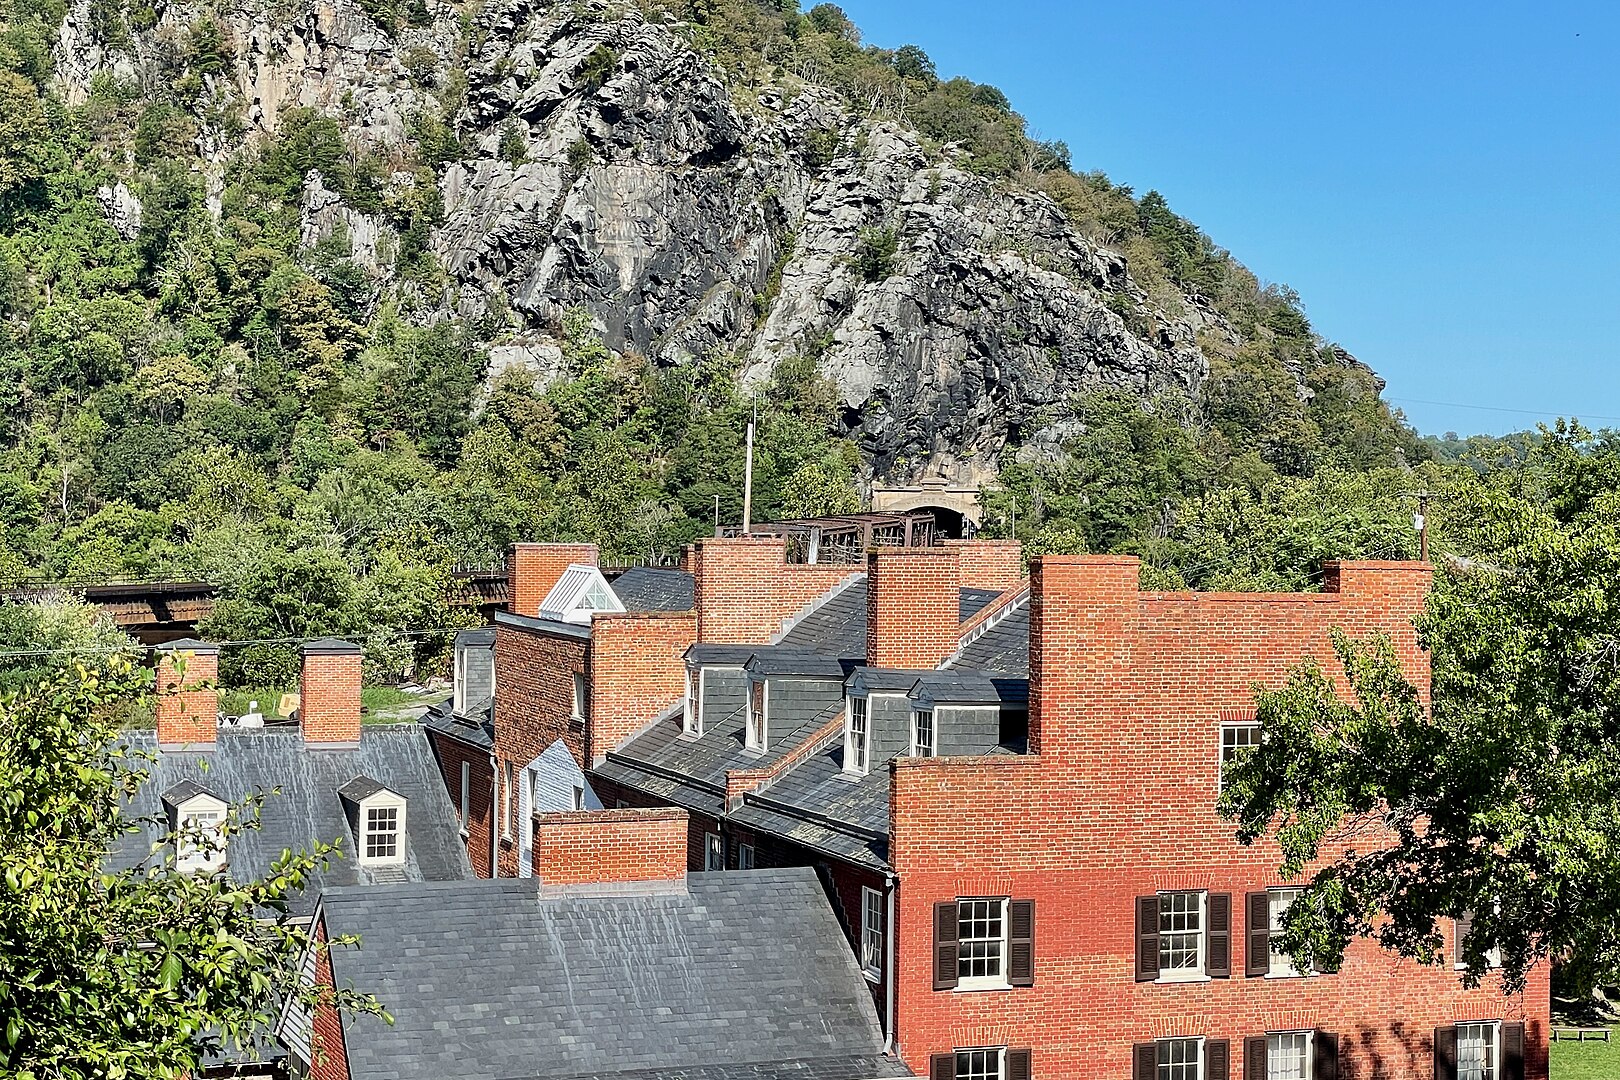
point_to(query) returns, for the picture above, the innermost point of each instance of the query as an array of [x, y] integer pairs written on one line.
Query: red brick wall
[[532, 569], [610, 845], [326, 1039], [744, 588], [480, 796], [614, 794], [329, 696], [913, 606], [636, 671], [187, 702], [1126, 694], [990, 564]]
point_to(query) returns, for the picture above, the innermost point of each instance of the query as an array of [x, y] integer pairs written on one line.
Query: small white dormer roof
[[581, 592]]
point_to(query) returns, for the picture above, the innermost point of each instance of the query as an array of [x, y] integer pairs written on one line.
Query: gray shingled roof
[[477, 730], [820, 806], [650, 588], [308, 807], [693, 979], [836, 625], [1002, 649]]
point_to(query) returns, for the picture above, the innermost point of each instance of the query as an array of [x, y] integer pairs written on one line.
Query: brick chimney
[[990, 564], [532, 569], [913, 606], [187, 705], [744, 589], [599, 846], [329, 693]]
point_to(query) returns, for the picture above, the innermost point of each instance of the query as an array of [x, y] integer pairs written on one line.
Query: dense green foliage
[[132, 973]]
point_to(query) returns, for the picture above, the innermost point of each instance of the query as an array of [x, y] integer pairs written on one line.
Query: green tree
[[22, 130], [141, 972]]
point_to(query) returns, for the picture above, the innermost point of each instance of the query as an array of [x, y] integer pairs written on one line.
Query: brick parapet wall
[[744, 589], [991, 612], [990, 564], [327, 1046], [186, 708], [741, 781], [1128, 692], [532, 569], [614, 794], [610, 845], [329, 697], [913, 606], [637, 668]]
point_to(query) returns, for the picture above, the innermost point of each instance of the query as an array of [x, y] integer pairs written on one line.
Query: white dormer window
[[382, 834], [378, 817], [199, 835], [459, 690], [692, 715], [857, 737], [923, 743], [581, 592], [754, 738]]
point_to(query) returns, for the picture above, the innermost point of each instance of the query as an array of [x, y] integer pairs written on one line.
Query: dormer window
[[923, 743], [857, 736], [377, 816], [581, 592], [197, 820], [754, 738], [692, 714]]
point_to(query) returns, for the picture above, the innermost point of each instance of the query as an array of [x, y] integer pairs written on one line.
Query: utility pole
[[748, 480], [1420, 522]]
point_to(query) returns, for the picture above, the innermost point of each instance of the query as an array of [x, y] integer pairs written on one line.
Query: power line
[[110, 650], [1503, 409]]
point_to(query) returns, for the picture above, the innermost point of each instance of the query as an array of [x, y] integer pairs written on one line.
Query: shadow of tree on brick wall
[[1396, 1050]]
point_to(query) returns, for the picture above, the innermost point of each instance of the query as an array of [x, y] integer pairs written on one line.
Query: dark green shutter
[[1218, 948], [1147, 940], [1021, 942], [1258, 953], [945, 947]]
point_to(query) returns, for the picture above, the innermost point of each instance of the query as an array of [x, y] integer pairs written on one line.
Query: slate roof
[[836, 625], [476, 731], [1002, 649], [690, 979], [650, 588], [308, 807], [820, 806]]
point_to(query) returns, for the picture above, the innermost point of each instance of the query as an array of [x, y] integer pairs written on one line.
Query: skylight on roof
[[581, 592]]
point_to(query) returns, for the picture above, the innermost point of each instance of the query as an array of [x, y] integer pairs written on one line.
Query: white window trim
[[756, 729], [1291, 972], [692, 710], [506, 801], [1496, 1043], [380, 801], [872, 937], [714, 852], [1200, 973], [581, 691], [466, 783], [206, 814], [459, 705], [1198, 1039], [970, 983], [933, 731], [861, 763], [1220, 747], [745, 856], [1310, 1047]]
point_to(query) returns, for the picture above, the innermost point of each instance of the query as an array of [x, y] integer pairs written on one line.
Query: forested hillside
[[316, 301]]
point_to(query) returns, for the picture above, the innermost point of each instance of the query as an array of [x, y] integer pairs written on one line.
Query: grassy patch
[[378, 704], [1585, 1061]]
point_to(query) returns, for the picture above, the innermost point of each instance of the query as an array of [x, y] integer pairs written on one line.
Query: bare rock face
[[122, 208], [607, 164]]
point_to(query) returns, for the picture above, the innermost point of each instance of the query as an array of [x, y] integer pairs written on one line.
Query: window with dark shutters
[[1462, 924], [1145, 1056], [1217, 1059], [1018, 1064], [1445, 1053], [1257, 960], [1324, 1056], [1021, 942], [942, 1067], [1147, 940], [1218, 950], [945, 948], [1254, 1058], [1512, 1052]]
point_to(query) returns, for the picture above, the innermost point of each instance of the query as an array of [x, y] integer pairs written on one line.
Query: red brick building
[[1008, 791]]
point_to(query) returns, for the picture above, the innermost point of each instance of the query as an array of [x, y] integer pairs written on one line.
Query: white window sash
[[466, 782], [872, 932]]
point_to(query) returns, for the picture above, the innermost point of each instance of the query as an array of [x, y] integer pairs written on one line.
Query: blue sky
[[1440, 181]]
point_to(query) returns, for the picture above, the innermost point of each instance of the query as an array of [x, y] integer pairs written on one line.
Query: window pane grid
[[857, 734], [1178, 1059], [1181, 931], [871, 930], [925, 733], [1288, 1056], [980, 941], [978, 1064], [1476, 1052], [1281, 900], [382, 832]]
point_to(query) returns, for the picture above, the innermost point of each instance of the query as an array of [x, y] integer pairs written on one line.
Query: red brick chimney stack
[[187, 706], [329, 693], [913, 606], [990, 564], [532, 569]]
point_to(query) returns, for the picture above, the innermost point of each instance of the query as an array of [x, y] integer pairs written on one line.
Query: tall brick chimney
[[532, 569], [913, 606], [990, 564], [187, 705], [601, 846], [1083, 630], [329, 693]]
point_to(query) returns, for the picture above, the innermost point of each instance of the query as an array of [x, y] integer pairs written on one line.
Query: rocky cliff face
[[690, 217]]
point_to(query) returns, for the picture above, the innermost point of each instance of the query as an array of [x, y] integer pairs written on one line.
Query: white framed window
[[1181, 935], [466, 787], [758, 702], [1288, 1055], [872, 933], [857, 736], [745, 856], [506, 801], [1479, 1051], [1282, 965], [981, 1063], [714, 852], [1459, 930], [459, 691], [1181, 1059], [692, 716], [579, 696], [981, 942], [199, 842], [922, 733], [382, 829], [1235, 740]]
